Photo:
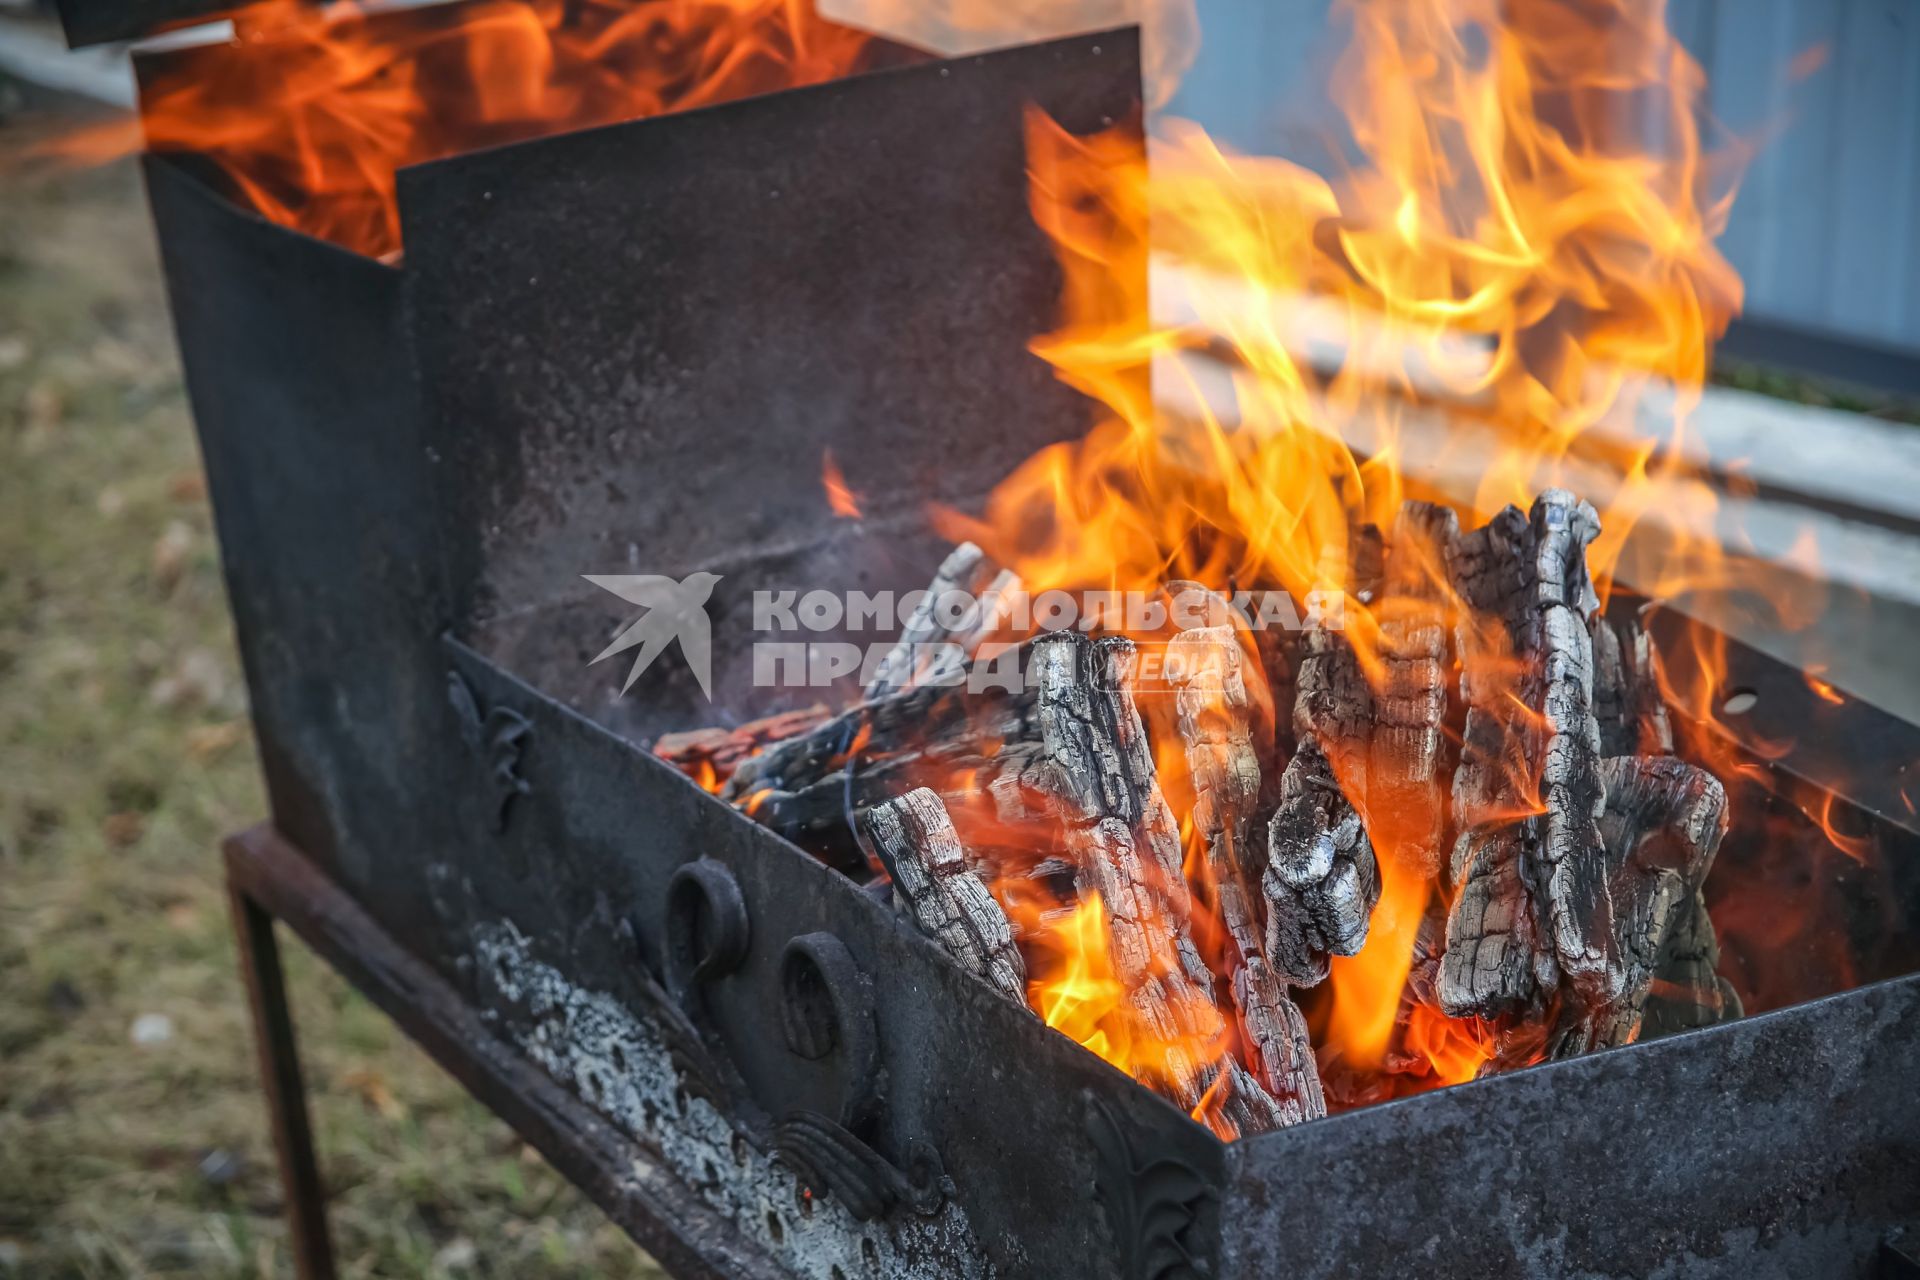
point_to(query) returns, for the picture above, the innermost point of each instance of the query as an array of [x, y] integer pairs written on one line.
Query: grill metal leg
[[286, 1094]]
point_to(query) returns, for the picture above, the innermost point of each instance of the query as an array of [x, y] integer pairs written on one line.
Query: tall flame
[[1525, 232]]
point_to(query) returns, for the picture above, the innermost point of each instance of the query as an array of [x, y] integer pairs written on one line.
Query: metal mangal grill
[[619, 348]]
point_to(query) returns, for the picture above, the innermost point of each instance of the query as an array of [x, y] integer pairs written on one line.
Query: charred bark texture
[[1663, 823], [1216, 711], [965, 602], [1626, 691], [1576, 868], [1321, 879], [724, 749], [1125, 845], [1688, 991], [914, 836]]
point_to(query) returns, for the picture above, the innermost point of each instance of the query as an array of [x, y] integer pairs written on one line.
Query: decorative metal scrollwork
[[827, 1009], [829, 1159], [498, 739], [1153, 1206]]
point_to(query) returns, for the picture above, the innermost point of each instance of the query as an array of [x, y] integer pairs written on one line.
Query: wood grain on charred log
[[1209, 671], [1125, 846], [965, 602], [934, 877]]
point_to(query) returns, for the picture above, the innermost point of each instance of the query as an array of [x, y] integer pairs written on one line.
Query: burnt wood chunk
[[1527, 793], [966, 577], [1497, 960], [1332, 704], [1238, 1106], [1581, 846], [721, 750], [906, 722], [1192, 606], [1100, 778], [1626, 691], [1662, 825], [1687, 990], [1210, 671], [931, 872], [1321, 880]]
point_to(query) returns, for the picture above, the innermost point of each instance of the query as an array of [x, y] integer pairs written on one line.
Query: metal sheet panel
[[851, 267], [99, 21], [1784, 1145], [302, 393]]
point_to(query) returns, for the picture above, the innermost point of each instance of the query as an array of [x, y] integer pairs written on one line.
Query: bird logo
[[674, 611]]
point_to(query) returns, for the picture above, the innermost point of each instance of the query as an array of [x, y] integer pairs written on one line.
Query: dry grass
[[123, 757]]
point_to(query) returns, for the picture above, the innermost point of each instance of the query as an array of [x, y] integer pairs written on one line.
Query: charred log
[[1662, 824], [1687, 990], [1216, 711], [713, 754], [1125, 847], [1321, 881], [1237, 1106], [1527, 793], [1573, 879], [1626, 691], [964, 602], [914, 836]]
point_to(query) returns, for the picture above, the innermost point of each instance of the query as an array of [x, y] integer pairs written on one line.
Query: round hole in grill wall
[[1739, 701], [707, 925], [811, 1022]]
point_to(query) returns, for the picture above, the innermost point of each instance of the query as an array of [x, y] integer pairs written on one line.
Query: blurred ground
[[133, 1139]]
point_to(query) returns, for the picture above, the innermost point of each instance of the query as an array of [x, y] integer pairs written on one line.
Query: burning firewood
[[1626, 691], [1124, 844], [915, 838], [1236, 1105], [1321, 880], [1571, 869], [1686, 991], [966, 575], [1211, 676], [1662, 824], [963, 743], [1562, 844], [711, 755]]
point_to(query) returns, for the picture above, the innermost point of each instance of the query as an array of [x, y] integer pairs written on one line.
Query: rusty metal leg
[[286, 1094]]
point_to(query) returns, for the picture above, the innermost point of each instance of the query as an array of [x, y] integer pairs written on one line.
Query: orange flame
[[1511, 243], [842, 499], [309, 111], [1084, 1001]]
